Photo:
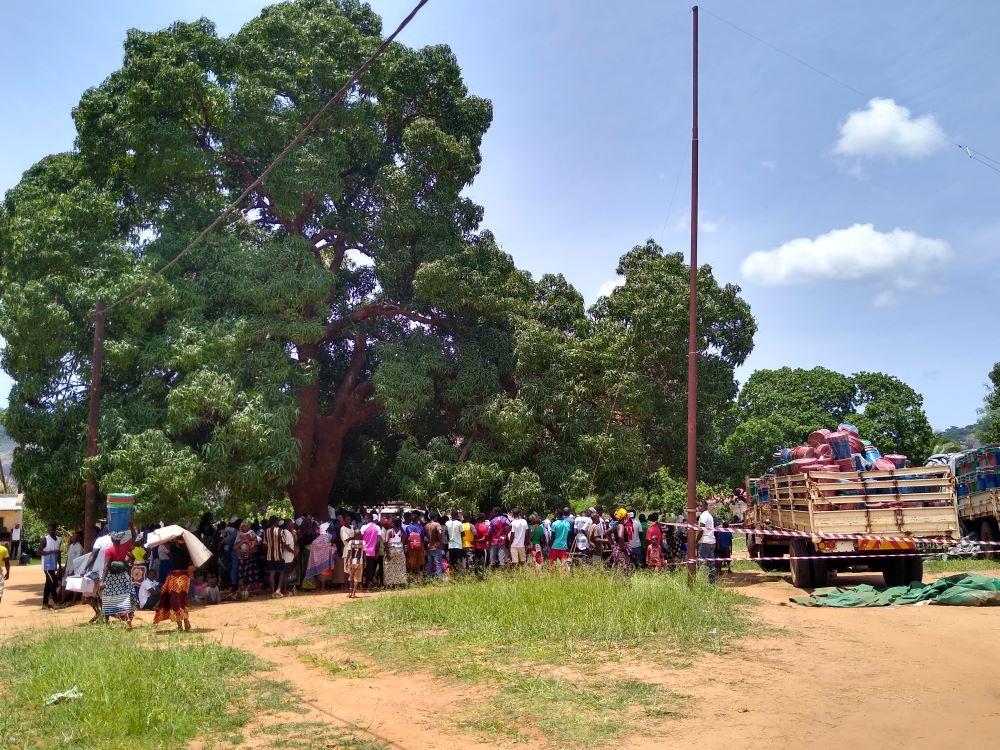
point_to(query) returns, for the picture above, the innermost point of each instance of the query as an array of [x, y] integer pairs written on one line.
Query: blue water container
[[119, 515]]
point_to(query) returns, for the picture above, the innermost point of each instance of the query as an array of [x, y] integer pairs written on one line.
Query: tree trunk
[[321, 436]]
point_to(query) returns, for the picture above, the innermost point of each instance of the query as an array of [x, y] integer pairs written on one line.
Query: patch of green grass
[[967, 564], [153, 692], [546, 645], [289, 642], [344, 668], [309, 735]]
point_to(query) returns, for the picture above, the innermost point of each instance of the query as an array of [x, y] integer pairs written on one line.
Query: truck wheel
[[914, 569], [801, 569], [894, 571], [988, 533]]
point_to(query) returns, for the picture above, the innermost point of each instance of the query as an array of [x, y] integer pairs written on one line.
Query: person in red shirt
[[481, 543], [117, 591]]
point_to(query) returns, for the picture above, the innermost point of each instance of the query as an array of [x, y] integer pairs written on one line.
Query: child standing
[[354, 563]]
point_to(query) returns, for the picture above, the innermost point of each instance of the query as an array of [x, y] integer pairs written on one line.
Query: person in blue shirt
[[559, 549], [724, 546]]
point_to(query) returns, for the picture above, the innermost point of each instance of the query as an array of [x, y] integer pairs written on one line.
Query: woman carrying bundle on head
[[173, 604]]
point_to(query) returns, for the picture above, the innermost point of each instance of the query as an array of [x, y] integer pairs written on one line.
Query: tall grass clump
[[548, 646], [589, 606], [135, 692]]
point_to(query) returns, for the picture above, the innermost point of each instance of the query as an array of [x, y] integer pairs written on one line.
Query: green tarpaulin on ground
[[962, 590]]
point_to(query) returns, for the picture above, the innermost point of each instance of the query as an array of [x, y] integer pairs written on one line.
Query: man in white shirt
[[453, 529], [15, 541], [706, 538], [518, 534]]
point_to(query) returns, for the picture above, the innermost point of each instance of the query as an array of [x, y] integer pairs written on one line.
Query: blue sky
[[862, 237]]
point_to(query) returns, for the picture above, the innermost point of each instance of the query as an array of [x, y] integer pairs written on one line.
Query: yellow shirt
[[467, 538], [4, 554]]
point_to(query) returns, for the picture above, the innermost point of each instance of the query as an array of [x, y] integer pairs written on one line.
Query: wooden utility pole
[[692, 375], [93, 422]]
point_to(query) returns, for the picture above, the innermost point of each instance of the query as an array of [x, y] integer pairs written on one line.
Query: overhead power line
[[969, 151], [277, 160]]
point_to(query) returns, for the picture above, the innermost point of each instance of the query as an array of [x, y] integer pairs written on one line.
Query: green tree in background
[[245, 369], [778, 408], [988, 429]]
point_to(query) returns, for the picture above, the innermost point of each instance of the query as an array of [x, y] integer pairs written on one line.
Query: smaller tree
[[988, 430]]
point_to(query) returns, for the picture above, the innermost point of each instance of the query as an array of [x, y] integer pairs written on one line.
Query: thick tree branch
[[377, 310]]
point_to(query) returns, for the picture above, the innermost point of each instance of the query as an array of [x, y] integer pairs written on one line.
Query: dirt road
[[915, 677]]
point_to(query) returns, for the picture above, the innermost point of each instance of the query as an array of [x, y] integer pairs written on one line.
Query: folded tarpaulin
[[962, 590], [198, 551]]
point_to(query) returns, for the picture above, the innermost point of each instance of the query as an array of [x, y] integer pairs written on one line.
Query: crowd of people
[[354, 551]]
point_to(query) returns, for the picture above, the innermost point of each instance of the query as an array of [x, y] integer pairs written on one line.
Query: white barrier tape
[[838, 537], [836, 556]]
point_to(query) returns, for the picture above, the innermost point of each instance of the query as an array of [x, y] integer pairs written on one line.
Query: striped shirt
[[272, 538]]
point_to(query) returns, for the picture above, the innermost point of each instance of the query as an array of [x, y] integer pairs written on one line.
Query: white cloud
[[610, 285], [898, 259], [887, 130]]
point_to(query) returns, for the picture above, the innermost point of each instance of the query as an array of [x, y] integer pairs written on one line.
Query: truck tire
[[894, 571], [913, 568], [802, 570], [988, 533]]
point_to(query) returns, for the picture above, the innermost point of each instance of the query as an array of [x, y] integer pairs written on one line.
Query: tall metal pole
[[692, 375], [93, 421]]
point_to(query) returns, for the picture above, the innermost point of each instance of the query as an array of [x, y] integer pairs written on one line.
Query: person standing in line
[[536, 535], [654, 543], [289, 551], [468, 541], [634, 539], [435, 545], [49, 552], [370, 536], [395, 554], [275, 563], [595, 537], [15, 542], [620, 541], [559, 550], [481, 544], [453, 530], [706, 539], [499, 529], [518, 538], [413, 532], [244, 549]]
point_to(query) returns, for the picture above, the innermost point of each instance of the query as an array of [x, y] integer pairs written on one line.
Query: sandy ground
[[915, 677]]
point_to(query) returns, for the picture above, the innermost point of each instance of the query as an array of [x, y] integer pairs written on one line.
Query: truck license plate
[[845, 546]]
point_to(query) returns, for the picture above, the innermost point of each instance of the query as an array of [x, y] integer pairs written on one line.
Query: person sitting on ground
[[211, 593], [149, 591]]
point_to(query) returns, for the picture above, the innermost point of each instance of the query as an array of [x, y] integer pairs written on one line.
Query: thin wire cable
[[277, 160], [970, 152]]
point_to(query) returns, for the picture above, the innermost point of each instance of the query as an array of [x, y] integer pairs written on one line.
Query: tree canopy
[[354, 334], [988, 428], [778, 408]]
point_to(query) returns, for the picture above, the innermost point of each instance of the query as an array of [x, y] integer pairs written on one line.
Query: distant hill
[[964, 435]]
